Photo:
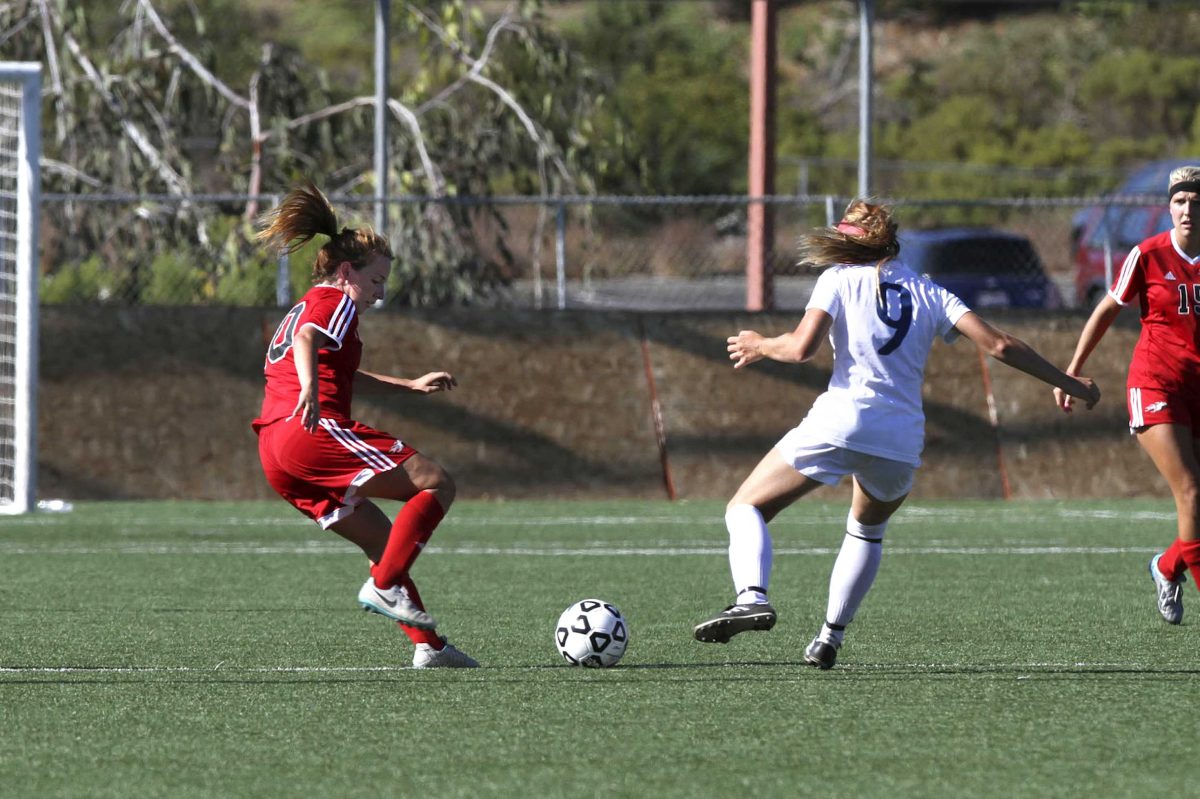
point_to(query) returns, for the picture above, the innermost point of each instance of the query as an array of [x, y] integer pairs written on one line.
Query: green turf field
[[216, 650]]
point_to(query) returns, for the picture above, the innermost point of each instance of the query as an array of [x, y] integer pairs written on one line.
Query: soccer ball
[[591, 633]]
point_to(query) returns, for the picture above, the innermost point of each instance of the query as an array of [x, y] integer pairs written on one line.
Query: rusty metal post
[[760, 216]]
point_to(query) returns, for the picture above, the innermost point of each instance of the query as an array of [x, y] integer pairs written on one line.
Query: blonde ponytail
[[306, 212]]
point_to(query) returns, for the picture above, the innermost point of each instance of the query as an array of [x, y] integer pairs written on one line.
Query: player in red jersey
[[313, 452], [1164, 374]]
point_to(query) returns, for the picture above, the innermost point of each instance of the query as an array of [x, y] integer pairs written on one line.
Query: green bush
[[251, 284], [85, 281], [173, 280], [678, 90]]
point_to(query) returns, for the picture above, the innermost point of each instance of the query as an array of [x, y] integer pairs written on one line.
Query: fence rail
[[650, 253]]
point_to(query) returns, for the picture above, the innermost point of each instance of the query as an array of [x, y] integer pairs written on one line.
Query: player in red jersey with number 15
[[1164, 373], [315, 455]]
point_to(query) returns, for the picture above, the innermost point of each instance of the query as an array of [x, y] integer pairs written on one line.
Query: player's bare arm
[[1093, 330], [1012, 351], [429, 383], [797, 346], [307, 342]]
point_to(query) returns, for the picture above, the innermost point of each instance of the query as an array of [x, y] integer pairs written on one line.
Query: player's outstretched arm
[[1010, 350], [429, 383], [1093, 330], [795, 347]]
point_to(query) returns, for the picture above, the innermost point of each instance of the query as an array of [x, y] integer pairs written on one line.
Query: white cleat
[[1170, 593], [394, 603], [448, 657]]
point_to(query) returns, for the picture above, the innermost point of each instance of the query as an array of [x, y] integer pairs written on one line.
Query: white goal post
[[20, 197]]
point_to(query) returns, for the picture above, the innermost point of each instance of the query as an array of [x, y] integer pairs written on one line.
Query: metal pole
[[382, 15], [865, 84], [283, 282], [560, 254], [27, 267], [760, 232], [1108, 260], [283, 275]]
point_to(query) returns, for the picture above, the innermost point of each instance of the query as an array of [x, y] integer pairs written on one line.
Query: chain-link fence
[[647, 253]]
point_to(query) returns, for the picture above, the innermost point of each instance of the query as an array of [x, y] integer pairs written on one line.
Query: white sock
[[749, 553], [853, 573]]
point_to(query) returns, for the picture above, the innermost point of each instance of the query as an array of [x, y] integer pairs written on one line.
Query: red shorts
[[1150, 406], [319, 472]]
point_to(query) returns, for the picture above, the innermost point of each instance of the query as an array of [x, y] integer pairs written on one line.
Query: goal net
[[20, 148]]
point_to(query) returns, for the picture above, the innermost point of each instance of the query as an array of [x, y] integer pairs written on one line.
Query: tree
[[137, 105], [677, 101]]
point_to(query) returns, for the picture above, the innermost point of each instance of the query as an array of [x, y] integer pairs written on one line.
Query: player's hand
[[308, 408], [434, 382], [1063, 400], [1093, 392], [745, 348], [1066, 402]]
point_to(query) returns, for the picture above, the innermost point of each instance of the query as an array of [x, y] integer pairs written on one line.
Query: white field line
[[985, 669], [595, 549], [913, 516], [909, 515], [197, 670]]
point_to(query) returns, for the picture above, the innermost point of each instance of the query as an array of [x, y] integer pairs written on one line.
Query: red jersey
[[1167, 354], [332, 312]]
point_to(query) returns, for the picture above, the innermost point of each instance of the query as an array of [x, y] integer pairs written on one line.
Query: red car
[[1104, 234], [1105, 242]]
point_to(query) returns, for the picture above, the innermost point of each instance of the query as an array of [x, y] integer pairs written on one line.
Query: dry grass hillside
[[156, 403]]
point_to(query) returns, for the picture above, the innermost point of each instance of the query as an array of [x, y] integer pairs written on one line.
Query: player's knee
[[1187, 496], [427, 474], [442, 484]]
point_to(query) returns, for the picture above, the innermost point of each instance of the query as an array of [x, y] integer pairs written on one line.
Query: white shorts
[[883, 478]]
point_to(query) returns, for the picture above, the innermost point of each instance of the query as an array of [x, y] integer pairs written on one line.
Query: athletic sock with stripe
[[749, 553], [853, 573], [1171, 564], [416, 634], [413, 526], [1189, 553]]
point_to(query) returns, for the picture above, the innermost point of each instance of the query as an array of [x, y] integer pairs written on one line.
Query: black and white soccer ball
[[591, 633]]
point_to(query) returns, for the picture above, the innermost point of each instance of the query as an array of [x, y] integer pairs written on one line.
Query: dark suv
[[986, 268]]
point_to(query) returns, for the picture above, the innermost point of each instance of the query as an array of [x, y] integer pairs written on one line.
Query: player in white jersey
[[881, 319]]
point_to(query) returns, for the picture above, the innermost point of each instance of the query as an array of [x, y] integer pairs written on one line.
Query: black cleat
[[733, 620], [821, 654]]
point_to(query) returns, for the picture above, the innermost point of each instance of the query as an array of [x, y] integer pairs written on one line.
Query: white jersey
[[883, 329]]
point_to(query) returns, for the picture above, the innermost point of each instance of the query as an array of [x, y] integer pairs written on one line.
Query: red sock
[[415, 634], [1190, 552], [1171, 562], [412, 528]]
